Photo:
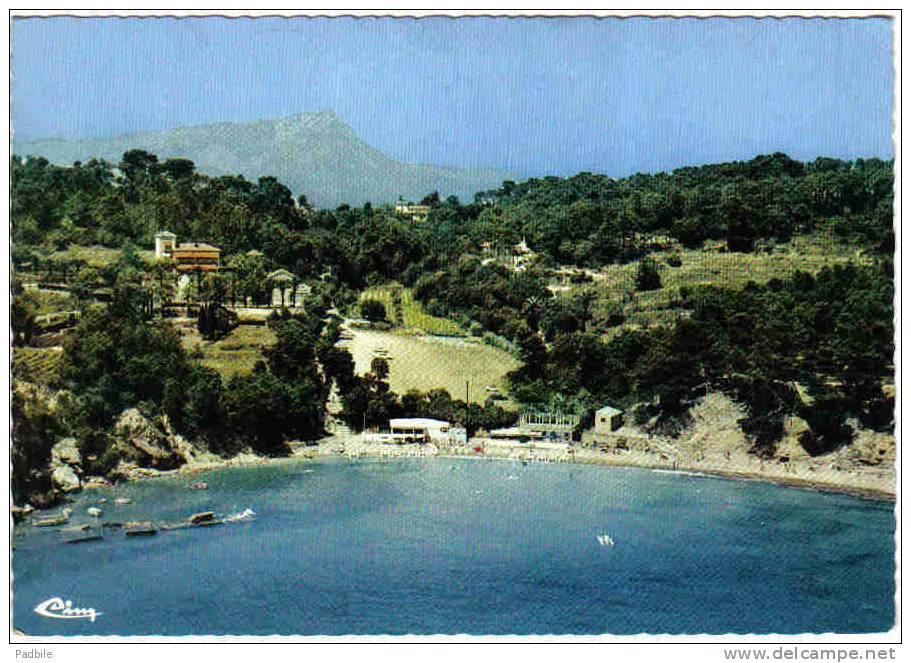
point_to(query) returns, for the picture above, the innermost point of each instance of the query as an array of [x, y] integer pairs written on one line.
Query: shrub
[[647, 277], [765, 431], [373, 310], [828, 430], [215, 321]]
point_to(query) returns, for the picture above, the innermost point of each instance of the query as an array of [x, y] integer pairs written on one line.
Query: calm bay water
[[467, 546]]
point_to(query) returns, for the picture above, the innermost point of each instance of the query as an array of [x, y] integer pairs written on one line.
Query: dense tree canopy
[[586, 219], [816, 346]]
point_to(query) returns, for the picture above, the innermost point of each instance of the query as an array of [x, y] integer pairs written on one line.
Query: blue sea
[[443, 546]]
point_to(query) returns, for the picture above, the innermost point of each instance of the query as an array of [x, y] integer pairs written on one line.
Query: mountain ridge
[[313, 153]]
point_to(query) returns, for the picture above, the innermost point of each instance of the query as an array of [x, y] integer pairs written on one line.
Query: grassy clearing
[[615, 286], [236, 354], [412, 318], [430, 362], [38, 365], [98, 256]]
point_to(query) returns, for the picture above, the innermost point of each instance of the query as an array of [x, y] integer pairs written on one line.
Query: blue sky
[[536, 96]]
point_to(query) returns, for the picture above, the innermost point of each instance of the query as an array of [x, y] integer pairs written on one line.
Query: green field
[[98, 256], [235, 354], [412, 319], [426, 362], [615, 285]]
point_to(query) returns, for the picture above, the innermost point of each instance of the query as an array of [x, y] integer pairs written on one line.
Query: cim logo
[[57, 608]]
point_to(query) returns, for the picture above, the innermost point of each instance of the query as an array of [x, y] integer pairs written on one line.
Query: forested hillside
[[582, 220], [533, 265]]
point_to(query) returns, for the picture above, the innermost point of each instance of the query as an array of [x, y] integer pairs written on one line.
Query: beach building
[[610, 434], [253, 253], [607, 420], [516, 434], [419, 429], [549, 426], [538, 427]]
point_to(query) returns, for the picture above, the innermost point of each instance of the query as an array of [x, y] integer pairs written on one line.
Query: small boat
[[94, 511], [123, 500], [140, 528], [199, 485], [201, 517], [53, 521], [82, 533], [605, 540]]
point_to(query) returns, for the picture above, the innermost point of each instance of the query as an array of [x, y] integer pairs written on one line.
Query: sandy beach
[[713, 444], [823, 474]]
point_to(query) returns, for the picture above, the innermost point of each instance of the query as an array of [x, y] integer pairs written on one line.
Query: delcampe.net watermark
[[803, 653]]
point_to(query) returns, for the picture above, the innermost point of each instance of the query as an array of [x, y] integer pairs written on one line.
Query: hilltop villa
[[413, 212], [187, 256]]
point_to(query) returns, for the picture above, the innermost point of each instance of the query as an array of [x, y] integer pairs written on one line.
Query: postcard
[[453, 326]]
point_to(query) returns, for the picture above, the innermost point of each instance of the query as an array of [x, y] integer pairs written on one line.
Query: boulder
[[66, 452], [148, 443], [127, 471], [20, 512], [96, 482], [184, 451], [65, 479]]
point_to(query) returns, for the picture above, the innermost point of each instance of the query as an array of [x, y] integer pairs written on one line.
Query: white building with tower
[[165, 243]]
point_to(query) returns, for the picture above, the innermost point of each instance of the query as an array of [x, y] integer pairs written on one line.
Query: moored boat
[[201, 517], [140, 528], [81, 533], [61, 518]]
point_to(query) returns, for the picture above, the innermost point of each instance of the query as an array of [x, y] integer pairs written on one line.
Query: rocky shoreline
[[714, 446], [352, 449]]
